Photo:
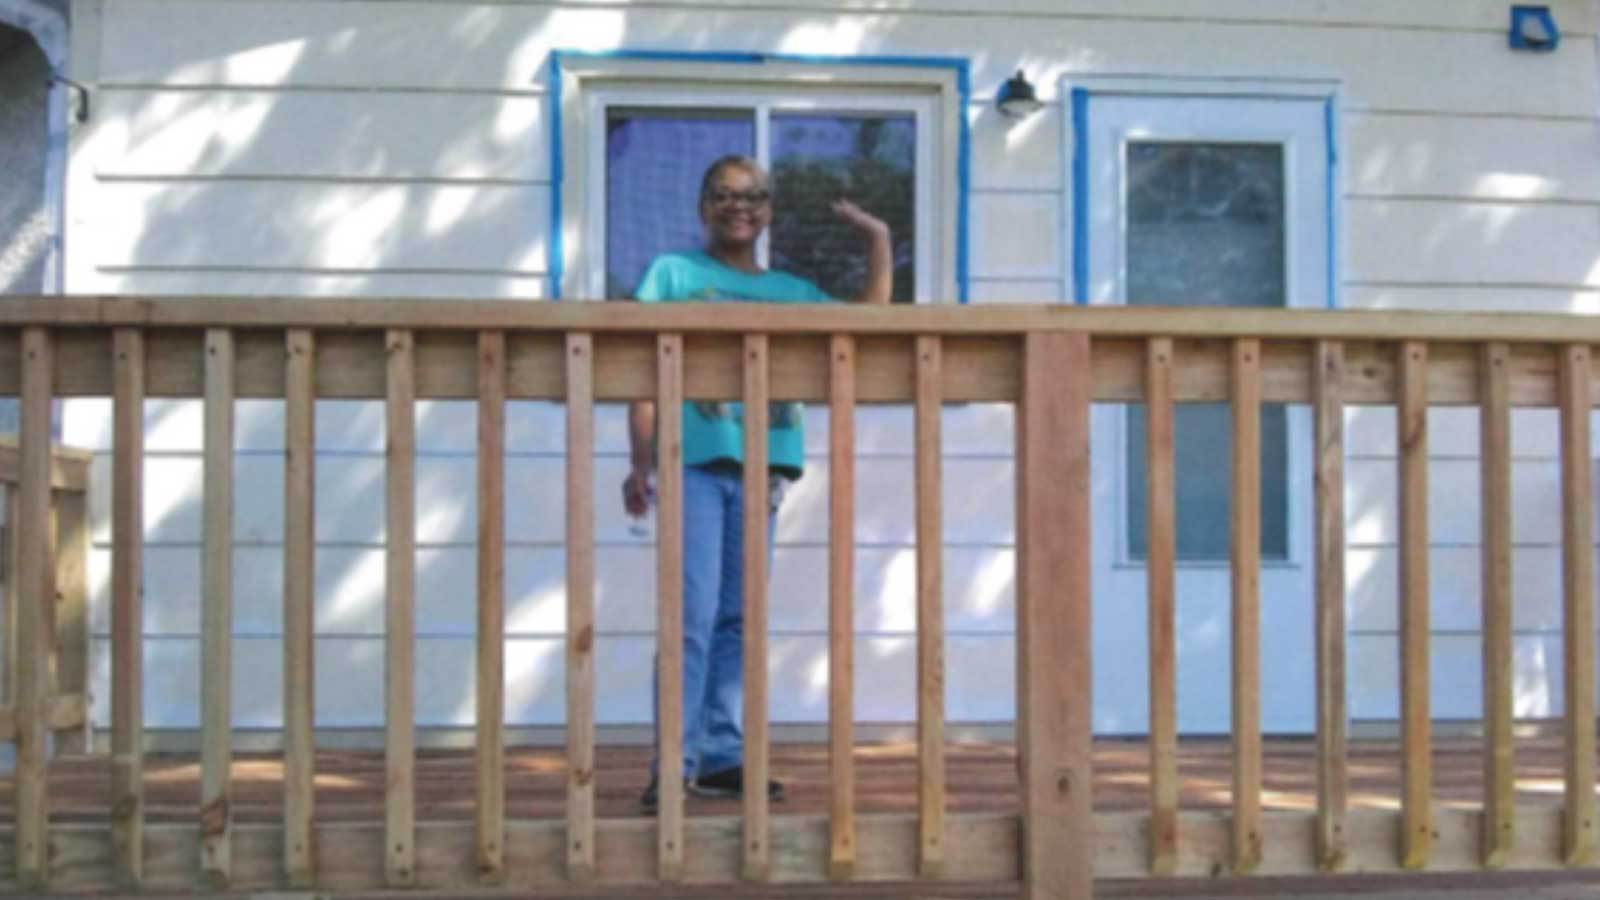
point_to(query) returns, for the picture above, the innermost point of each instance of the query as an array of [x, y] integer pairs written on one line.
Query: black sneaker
[[650, 800], [730, 783]]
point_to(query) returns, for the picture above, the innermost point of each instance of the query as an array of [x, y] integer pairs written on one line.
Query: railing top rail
[[987, 319]]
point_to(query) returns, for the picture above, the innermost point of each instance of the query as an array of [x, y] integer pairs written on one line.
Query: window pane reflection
[[1205, 227], [654, 161], [870, 159]]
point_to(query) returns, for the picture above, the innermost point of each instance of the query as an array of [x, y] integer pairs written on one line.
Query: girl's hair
[[731, 161]]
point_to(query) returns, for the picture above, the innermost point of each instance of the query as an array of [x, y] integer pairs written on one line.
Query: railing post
[[72, 612], [757, 843], [299, 556], [491, 606], [1055, 719], [34, 591], [13, 567], [216, 615], [1416, 839], [1245, 565], [1161, 565], [400, 609], [1577, 530], [669, 609], [127, 602], [841, 605], [1332, 779], [1499, 784], [580, 607], [930, 610]]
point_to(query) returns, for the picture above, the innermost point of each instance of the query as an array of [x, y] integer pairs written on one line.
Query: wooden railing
[[43, 682], [1051, 362]]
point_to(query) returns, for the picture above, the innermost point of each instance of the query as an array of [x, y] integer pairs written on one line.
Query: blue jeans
[[713, 616]]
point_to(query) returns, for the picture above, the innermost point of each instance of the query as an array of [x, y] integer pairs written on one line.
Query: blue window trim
[[556, 250], [1080, 194], [1330, 130]]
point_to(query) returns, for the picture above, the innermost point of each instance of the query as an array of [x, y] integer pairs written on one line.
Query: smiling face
[[736, 206]]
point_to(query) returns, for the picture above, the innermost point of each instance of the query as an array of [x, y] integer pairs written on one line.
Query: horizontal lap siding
[[979, 593], [1455, 589], [400, 149], [503, 48], [349, 673]]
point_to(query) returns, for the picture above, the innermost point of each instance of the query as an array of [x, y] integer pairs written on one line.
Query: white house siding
[[400, 148]]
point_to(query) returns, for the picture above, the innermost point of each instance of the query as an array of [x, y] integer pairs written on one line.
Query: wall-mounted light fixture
[[1017, 98], [1533, 28], [81, 112]]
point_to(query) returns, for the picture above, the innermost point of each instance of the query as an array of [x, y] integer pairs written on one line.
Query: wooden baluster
[[127, 606], [841, 605], [34, 591], [1246, 577], [930, 610], [757, 843], [400, 610], [1055, 717], [580, 608], [1499, 811], [1416, 838], [216, 615], [669, 609], [1161, 564], [1332, 778], [1577, 534], [8, 673], [47, 628], [491, 606], [299, 578], [72, 621]]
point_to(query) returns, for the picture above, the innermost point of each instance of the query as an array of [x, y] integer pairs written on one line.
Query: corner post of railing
[[1054, 715], [33, 580]]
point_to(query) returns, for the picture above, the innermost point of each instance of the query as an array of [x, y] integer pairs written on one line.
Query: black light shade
[[1017, 98]]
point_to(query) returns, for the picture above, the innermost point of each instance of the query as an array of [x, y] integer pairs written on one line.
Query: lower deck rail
[[983, 806]]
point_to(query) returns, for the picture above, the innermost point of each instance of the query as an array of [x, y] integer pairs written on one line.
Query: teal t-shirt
[[714, 431]]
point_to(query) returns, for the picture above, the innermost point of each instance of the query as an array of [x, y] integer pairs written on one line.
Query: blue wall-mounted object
[[1533, 28]]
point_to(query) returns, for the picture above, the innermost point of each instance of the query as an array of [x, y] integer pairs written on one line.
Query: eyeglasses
[[724, 197]]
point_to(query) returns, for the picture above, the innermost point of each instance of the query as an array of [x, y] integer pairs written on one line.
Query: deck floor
[[981, 778]]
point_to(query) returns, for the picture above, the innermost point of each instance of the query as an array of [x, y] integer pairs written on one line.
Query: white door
[[1208, 201]]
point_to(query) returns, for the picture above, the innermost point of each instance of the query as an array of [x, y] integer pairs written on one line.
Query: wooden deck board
[[983, 778]]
